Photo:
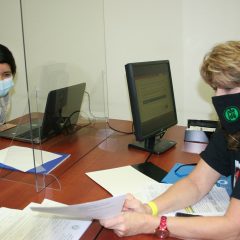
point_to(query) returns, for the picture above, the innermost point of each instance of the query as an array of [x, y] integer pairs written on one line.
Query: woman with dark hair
[[221, 70], [7, 72]]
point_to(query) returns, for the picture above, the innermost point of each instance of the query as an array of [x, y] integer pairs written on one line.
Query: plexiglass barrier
[[62, 96]]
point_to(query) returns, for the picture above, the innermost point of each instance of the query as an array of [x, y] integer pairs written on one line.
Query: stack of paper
[[25, 224], [52, 220]]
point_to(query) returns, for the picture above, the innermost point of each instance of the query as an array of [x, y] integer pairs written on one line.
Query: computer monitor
[[152, 104]]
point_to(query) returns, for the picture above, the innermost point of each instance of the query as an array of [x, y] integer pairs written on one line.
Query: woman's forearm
[[189, 190], [178, 196]]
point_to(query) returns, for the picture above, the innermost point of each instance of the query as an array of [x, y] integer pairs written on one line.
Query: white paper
[[105, 208], [215, 203], [21, 158], [151, 191], [25, 224], [205, 129], [121, 180]]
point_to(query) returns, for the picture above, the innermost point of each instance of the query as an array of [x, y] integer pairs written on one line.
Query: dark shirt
[[224, 161]]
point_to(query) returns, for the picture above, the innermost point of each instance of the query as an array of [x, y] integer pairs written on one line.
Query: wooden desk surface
[[78, 145], [91, 150]]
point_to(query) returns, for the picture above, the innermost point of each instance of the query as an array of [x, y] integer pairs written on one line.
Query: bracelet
[[153, 207]]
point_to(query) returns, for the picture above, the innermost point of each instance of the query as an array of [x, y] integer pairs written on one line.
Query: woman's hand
[[131, 223], [135, 218], [133, 204]]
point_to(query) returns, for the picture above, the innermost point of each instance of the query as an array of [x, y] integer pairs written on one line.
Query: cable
[[148, 157], [90, 111], [114, 129], [89, 107], [69, 127], [161, 134]]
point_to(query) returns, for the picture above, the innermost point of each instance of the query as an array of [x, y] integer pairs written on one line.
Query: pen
[[179, 214]]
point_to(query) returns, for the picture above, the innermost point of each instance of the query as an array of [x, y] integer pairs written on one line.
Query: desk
[[92, 149]]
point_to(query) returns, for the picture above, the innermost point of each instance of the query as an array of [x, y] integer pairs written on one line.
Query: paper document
[[147, 193], [25, 224], [121, 180], [105, 208], [215, 203], [21, 158]]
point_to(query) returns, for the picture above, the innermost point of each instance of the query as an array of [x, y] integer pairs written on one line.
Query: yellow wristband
[[154, 208]]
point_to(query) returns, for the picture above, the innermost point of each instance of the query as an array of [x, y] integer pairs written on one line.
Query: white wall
[[64, 43], [68, 36], [205, 23], [179, 30], [11, 36], [141, 31]]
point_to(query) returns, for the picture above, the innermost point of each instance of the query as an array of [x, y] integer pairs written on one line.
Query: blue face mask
[[5, 86]]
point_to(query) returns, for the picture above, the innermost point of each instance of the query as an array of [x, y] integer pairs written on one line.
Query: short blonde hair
[[221, 66]]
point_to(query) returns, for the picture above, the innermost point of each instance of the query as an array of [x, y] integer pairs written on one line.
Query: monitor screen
[[152, 103]]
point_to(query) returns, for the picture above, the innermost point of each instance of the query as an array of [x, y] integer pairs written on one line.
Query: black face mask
[[228, 110]]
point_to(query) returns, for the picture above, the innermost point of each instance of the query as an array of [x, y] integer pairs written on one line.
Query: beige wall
[[204, 24], [71, 39], [64, 42], [179, 30]]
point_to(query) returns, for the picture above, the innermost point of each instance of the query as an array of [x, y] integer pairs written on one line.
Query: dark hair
[[7, 57]]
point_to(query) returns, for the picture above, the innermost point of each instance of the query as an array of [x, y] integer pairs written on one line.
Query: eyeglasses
[[184, 170]]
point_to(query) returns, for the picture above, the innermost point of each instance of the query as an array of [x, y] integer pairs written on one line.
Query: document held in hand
[[105, 208]]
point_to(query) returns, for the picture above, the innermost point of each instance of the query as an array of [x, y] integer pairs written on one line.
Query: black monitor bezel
[[138, 131]]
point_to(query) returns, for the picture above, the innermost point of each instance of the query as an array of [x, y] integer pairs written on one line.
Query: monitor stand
[[154, 145]]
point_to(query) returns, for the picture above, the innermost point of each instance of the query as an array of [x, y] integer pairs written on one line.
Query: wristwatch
[[161, 231]]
